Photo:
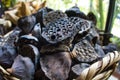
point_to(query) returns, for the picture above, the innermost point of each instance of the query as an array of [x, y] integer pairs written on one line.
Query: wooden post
[[108, 26]]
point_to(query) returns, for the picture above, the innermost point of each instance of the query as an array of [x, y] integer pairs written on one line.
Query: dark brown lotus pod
[[92, 36], [36, 32], [50, 48], [30, 51], [40, 75], [40, 15], [57, 31], [109, 48], [53, 16], [82, 25], [26, 23], [63, 28], [10, 38], [75, 12], [7, 56], [80, 36], [56, 66], [23, 68], [84, 52], [91, 16], [27, 39], [77, 69], [27, 46], [98, 48], [8, 49]]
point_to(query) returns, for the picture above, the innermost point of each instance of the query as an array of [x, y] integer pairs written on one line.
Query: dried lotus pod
[[53, 16], [74, 9], [27, 46], [40, 14], [54, 48], [77, 69], [26, 23], [30, 51], [10, 38], [109, 48], [27, 39], [84, 52], [82, 25], [92, 36], [7, 55], [44, 11], [7, 49], [92, 17], [59, 30], [63, 28], [75, 12], [23, 68], [36, 31], [98, 48], [54, 67]]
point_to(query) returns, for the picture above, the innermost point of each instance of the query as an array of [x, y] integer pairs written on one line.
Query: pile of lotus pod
[[51, 45]]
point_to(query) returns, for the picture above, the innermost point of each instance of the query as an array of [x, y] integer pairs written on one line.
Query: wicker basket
[[101, 70]]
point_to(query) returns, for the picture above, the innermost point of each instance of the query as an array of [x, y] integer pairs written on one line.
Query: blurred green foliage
[[117, 10], [116, 40], [8, 3], [115, 24]]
